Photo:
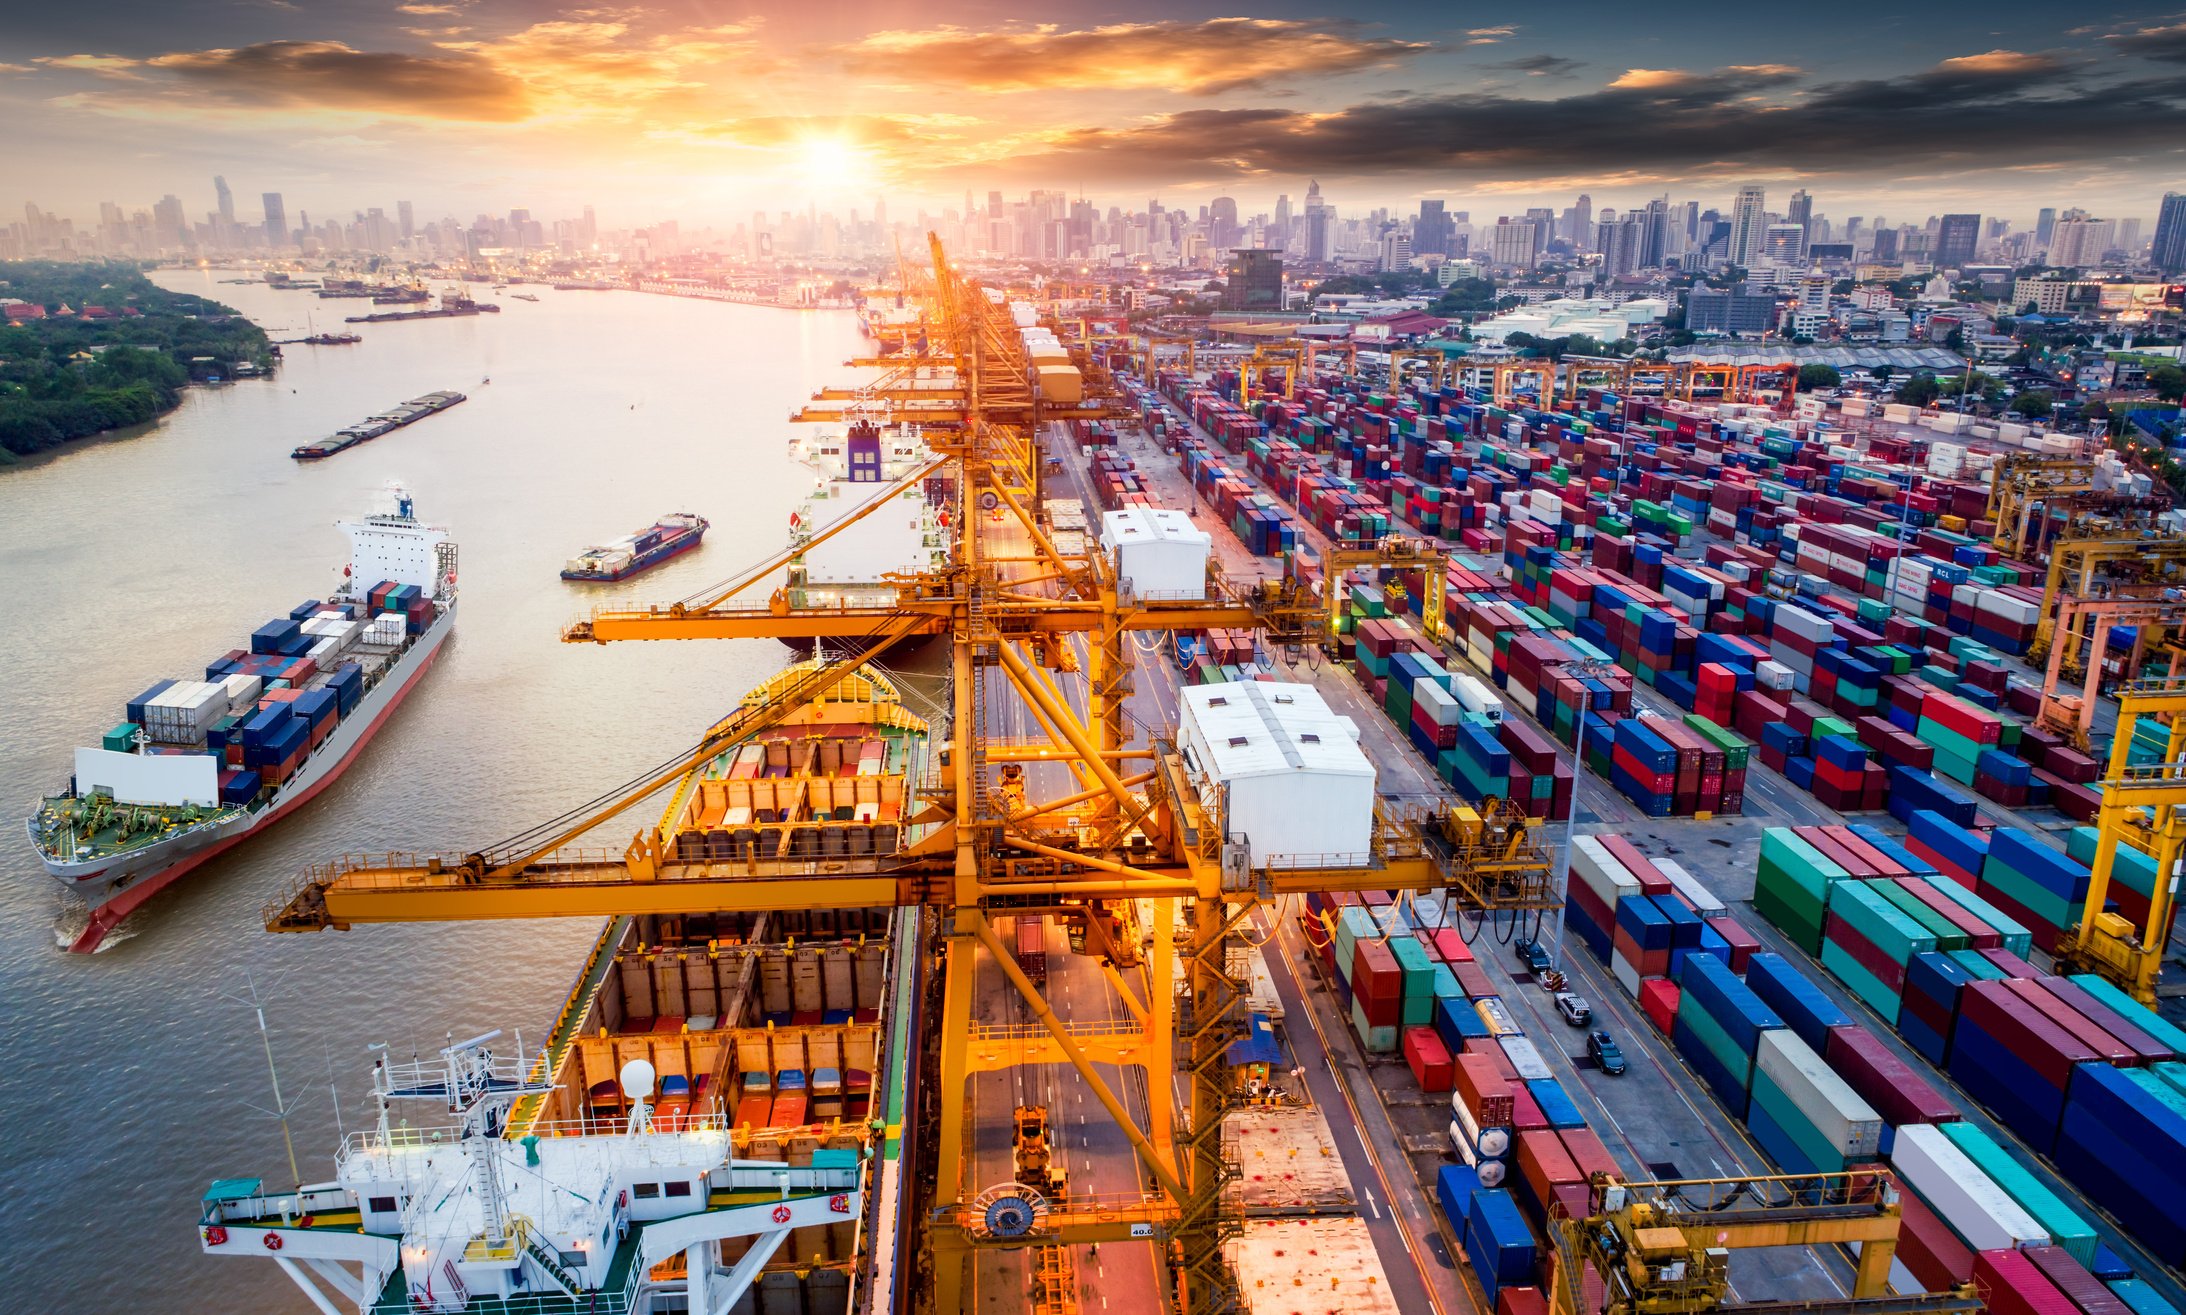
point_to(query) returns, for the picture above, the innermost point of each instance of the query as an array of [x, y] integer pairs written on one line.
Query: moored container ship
[[197, 766], [649, 547], [850, 568], [719, 1110]]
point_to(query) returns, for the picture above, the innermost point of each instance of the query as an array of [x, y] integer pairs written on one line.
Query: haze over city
[[703, 112]]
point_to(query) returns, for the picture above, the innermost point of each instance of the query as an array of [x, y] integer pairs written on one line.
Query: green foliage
[[68, 378], [1920, 390], [1815, 374], [2169, 382], [1465, 297], [2034, 402]]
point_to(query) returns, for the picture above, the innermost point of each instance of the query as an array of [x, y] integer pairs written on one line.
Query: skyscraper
[[407, 217], [1800, 210], [1222, 229], [1749, 226], [227, 200], [2170, 245], [276, 220], [1431, 235], [2045, 225], [1318, 216], [1956, 239], [1279, 235]]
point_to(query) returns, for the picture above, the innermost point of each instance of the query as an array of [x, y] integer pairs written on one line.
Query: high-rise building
[[2169, 253], [1655, 233], [2079, 240], [1253, 281], [2045, 225], [1320, 218], [1800, 210], [1279, 235], [168, 229], [406, 216], [1582, 219], [227, 200], [1956, 239], [1785, 244], [1431, 234], [1515, 243], [1749, 226], [276, 220], [1222, 227]]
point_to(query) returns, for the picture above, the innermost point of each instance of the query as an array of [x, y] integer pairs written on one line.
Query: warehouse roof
[[1266, 728], [1843, 356]]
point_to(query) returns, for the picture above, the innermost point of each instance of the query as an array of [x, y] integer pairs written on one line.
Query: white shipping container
[[243, 691], [1845, 1121], [1685, 883], [1960, 1193], [1491, 1171], [1525, 1058], [1477, 697], [1627, 976], [1441, 705], [1601, 872], [1804, 624], [1772, 674]]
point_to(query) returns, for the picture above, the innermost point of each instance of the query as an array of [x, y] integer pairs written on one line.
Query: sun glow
[[833, 160]]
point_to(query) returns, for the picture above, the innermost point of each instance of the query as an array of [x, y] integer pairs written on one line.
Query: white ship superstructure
[[854, 467], [460, 1217]]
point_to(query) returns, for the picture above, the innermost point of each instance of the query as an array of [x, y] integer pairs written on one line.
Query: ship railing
[[621, 1302], [282, 1209], [702, 1142]]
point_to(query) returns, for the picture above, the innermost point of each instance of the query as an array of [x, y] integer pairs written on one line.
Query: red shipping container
[[1520, 1301], [1929, 1248], [1981, 936], [2106, 1047], [1375, 975], [1485, 1090], [1744, 944], [2009, 1284], [1658, 1000], [2022, 1030], [1875, 1073], [1429, 1059], [2100, 1014], [1525, 1112], [2087, 1294], [1587, 1153], [1450, 944], [1544, 1165], [1473, 980]]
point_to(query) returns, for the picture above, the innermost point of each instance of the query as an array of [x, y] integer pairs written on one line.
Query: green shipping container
[[1946, 932], [1819, 1151], [1861, 982], [1418, 968], [2065, 1228], [121, 739], [1867, 911]]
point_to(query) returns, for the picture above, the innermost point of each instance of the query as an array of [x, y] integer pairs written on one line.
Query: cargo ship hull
[[114, 887], [642, 562]]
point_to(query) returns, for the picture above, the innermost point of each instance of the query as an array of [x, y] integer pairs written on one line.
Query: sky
[[705, 110]]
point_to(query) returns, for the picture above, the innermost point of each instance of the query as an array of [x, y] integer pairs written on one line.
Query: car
[[1574, 1008], [1533, 956], [1602, 1048]]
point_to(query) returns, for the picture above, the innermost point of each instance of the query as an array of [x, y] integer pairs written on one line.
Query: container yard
[[1421, 848]]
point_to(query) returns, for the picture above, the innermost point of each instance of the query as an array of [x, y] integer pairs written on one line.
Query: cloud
[[2167, 43], [566, 70], [428, 10], [1980, 112], [1220, 54], [1488, 36], [1541, 66], [331, 74]]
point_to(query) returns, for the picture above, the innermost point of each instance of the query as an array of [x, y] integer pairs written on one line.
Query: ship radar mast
[[479, 1088]]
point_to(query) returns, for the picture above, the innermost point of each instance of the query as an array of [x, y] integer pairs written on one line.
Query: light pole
[[1585, 668]]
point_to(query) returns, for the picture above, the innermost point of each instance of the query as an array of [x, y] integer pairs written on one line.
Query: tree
[[1920, 390], [2033, 403], [1814, 374], [2169, 382]]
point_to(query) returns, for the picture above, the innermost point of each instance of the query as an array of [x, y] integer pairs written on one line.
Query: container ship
[[648, 548], [371, 427], [718, 1109], [851, 569], [452, 305], [197, 766]]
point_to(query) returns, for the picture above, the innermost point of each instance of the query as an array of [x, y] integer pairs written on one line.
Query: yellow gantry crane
[[2079, 568], [2141, 809], [1664, 1248], [1011, 606]]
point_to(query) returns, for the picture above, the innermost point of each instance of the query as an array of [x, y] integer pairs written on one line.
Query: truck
[[1031, 1158], [1474, 695]]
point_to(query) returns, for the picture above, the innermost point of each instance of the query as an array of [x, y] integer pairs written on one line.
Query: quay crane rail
[[1007, 600]]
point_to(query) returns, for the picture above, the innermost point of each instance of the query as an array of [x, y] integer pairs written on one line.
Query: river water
[[135, 1076]]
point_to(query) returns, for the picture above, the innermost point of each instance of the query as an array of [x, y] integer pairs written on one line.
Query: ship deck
[[111, 839]]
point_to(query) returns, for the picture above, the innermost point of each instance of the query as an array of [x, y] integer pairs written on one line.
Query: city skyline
[[470, 105]]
